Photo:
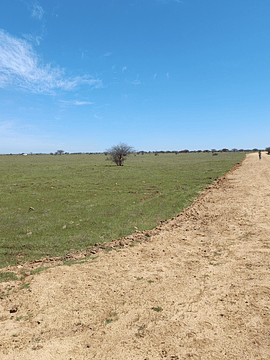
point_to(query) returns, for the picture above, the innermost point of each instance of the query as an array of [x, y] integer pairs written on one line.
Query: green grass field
[[79, 200]]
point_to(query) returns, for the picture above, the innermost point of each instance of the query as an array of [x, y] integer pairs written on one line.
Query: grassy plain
[[51, 205]]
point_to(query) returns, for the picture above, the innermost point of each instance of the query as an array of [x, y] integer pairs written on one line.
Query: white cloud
[[54, 10], [37, 11], [83, 54], [76, 102], [136, 82], [35, 8], [34, 39], [124, 69], [168, 1], [108, 54], [21, 68]]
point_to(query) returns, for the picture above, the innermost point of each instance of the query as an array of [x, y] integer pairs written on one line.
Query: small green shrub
[[158, 309]]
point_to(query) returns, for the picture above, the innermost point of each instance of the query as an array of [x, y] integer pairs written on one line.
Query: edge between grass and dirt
[[18, 277], [199, 288]]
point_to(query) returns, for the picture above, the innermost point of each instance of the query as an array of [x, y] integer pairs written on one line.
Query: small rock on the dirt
[[13, 309]]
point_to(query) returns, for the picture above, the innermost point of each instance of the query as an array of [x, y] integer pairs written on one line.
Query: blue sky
[[156, 74]]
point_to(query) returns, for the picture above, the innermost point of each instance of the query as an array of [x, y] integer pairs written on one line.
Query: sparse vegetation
[[101, 202], [7, 276], [25, 286], [38, 270], [157, 309], [140, 332]]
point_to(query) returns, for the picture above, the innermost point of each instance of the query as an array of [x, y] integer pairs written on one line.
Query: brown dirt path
[[198, 289]]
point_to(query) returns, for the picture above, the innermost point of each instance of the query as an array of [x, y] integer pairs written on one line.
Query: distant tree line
[[142, 152]]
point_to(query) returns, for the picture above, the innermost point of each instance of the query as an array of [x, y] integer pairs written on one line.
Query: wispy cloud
[[21, 68], [35, 8], [35, 39], [79, 103], [37, 11], [136, 82], [84, 55], [124, 68], [54, 10], [168, 1], [107, 54], [76, 103]]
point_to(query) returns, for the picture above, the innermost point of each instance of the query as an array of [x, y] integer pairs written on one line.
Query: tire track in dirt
[[198, 288]]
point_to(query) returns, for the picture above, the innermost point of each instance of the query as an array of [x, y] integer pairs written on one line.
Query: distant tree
[[225, 150], [119, 152], [234, 150], [268, 150], [59, 152]]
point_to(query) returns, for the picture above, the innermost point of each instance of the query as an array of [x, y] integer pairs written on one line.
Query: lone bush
[[118, 153]]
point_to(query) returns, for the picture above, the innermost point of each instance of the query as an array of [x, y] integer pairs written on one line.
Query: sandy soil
[[197, 288]]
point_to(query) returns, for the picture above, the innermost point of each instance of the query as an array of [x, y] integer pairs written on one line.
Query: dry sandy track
[[207, 269]]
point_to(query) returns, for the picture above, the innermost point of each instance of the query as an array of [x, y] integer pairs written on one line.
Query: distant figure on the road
[[260, 154]]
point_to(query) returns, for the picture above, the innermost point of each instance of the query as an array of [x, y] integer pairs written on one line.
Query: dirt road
[[197, 288]]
